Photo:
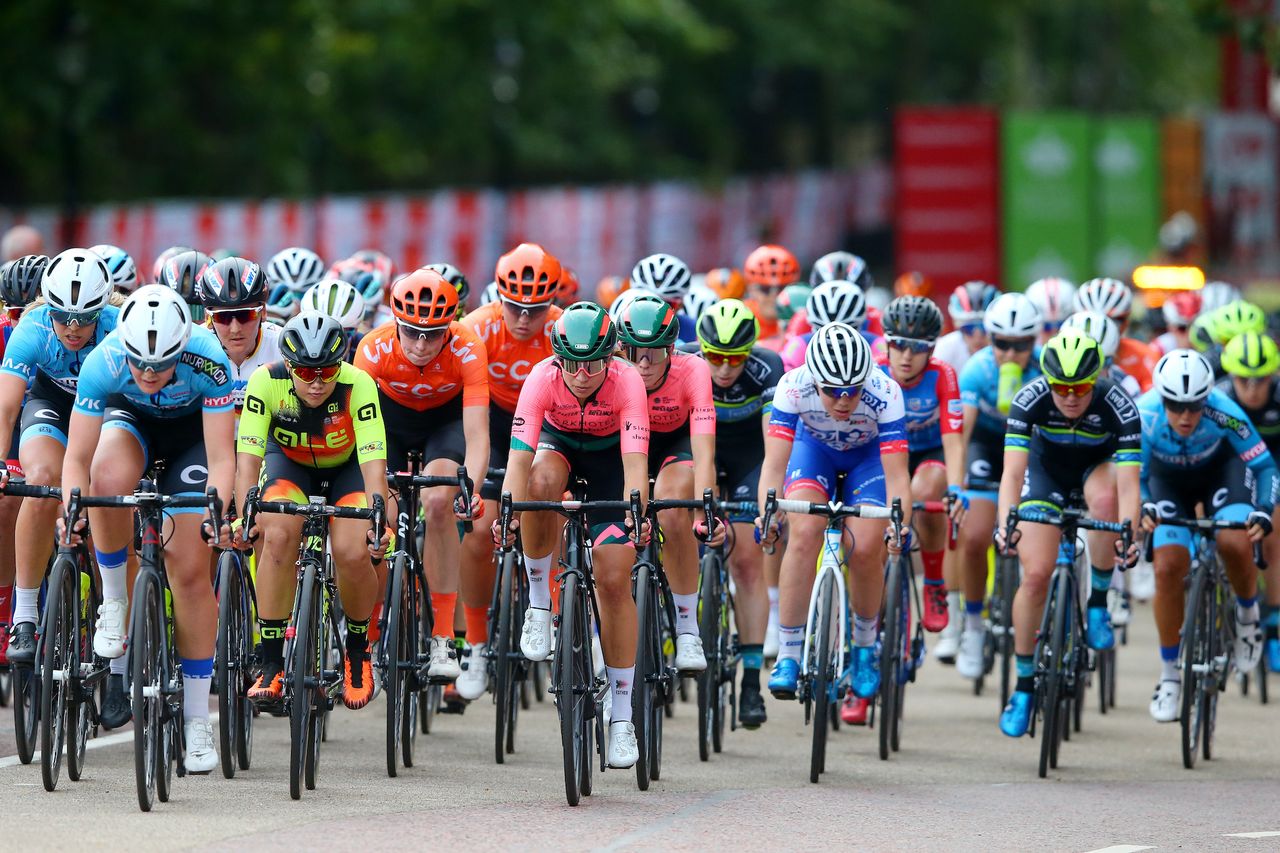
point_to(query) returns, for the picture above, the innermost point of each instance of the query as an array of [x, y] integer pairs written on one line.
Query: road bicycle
[[236, 659], [997, 649]]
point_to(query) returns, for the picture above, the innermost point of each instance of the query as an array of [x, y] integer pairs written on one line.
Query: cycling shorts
[[46, 417], [438, 433], [917, 459], [601, 468], [283, 479], [740, 475], [1052, 476], [499, 446], [1225, 485], [985, 462], [11, 462], [813, 465], [669, 448], [178, 443]]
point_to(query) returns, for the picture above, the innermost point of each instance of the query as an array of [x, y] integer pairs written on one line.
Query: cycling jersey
[[952, 349], [266, 351], [201, 380], [980, 386], [1265, 420], [509, 359], [1136, 359], [1108, 427], [35, 355], [683, 401], [1165, 344], [349, 422], [688, 332], [461, 368], [1124, 380], [798, 413], [739, 407], [617, 413], [932, 404]]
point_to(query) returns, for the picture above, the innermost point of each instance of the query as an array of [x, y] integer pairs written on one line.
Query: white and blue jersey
[[980, 387], [34, 353]]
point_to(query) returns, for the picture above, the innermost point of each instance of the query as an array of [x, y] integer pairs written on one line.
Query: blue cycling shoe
[[866, 671], [783, 679], [1100, 635], [1017, 714], [1273, 655]]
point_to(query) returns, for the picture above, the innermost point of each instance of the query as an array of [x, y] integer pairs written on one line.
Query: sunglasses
[[594, 367], [721, 358], [74, 318], [327, 373], [1175, 407], [235, 315], [151, 366], [1179, 327], [1020, 345], [419, 333], [971, 329], [531, 311], [837, 392], [656, 355], [1071, 389], [915, 345]]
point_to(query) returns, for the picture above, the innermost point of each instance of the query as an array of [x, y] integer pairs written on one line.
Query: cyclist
[[1180, 311], [988, 384], [1199, 447], [1053, 298], [120, 266], [670, 279], [234, 294], [1251, 361], [1217, 294], [182, 274], [767, 270], [432, 376], [340, 300], [1112, 297], [312, 426], [1071, 429], [156, 389], [836, 266], [698, 300], [157, 268], [516, 333], [727, 282], [1104, 330], [290, 273], [584, 412], [454, 276], [567, 293], [967, 306], [367, 278], [830, 302], [608, 289], [836, 413]]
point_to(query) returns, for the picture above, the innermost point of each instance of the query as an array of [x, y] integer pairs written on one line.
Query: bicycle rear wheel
[[398, 658], [709, 680], [304, 679], [506, 692], [82, 711], [1007, 575], [26, 710], [1221, 642], [822, 662], [645, 706], [572, 664], [412, 644], [330, 643], [235, 712], [1196, 658], [59, 663], [146, 636], [890, 654], [1050, 665]]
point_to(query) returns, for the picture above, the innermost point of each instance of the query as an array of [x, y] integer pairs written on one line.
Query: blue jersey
[[980, 386], [33, 350], [688, 328], [932, 405], [202, 380]]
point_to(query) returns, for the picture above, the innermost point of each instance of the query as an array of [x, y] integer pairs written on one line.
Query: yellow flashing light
[[1153, 277]]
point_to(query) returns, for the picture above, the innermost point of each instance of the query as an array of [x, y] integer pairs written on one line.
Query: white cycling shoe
[[444, 660], [109, 633], [1250, 644], [474, 679], [624, 752], [201, 755], [948, 645], [535, 638], [1166, 700], [689, 655], [969, 661]]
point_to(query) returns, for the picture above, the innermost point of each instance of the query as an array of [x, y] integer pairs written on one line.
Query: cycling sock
[[932, 565], [197, 675], [953, 603], [1169, 663], [973, 615], [686, 612], [357, 637], [1247, 611], [773, 603], [1026, 669], [539, 584], [477, 624], [1098, 586], [272, 633], [790, 641], [864, 630], [443, 605], [26, 604], [752, 662], [111, 566], [620, 678], [118, 665]]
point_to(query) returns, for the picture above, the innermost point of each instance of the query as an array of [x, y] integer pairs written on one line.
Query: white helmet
[[337, 299], [297, 267], [1183, 376], [120, 265], [76, 281], [1216, 294], [490, 293], [665, 275], [155, 324], [1053, 297], [1012, 315], [1100, 327], [624, 300], [699, 299], [838, 355], [1105, 296], [836, 302]]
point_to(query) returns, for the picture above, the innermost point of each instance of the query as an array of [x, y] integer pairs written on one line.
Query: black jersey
[[1266, 420], [744, 406], [1109, 426]]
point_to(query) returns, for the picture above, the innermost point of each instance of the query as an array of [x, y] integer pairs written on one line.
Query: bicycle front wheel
[[572, 669], [81, 710], [709, 628], [235, 715], [59, 663], [1007, 578], [645, 705], [891, 655], [146, 637], [822, 672], [304, 679], [506, 687], [398, 658], [1050, 667], [1196, 658]]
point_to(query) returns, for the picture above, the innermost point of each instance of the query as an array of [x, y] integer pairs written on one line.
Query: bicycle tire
[[412, 645], [430, 696], [890, 654], [26, 710], [1049, 686], [726, 701], [83, 711], [1221, 645], [328, 642], [708, 681], [306, 660], [1195, 656], [506, 689], [822, 660], [566, 666], [647, 656], [227, 667], [1008, 572], [1263, 695], [588, 719], [394, 676], [146, 676], [1106, 672], [57, 660]]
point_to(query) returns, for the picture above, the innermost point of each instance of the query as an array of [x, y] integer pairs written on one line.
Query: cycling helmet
[[378, 262], [567, 292], [836, 302], [728, 327], [528, 275], [727, 282], [223, 253], [1012, 315], [233, 283], [830, 267], [1252, 355], [313, 339], [649, 321], [1203, 332], [1237, 318], [837, 354], [182, 274], [1216, 294], [1053, 297], [424, 298], [620, 305], [282, 303], [1071, 356], [970, 301], [609, 288], [792, 298], [454, 276], [297, 267], [584, 332], [154, 325], [124, 272], [771, 266], [665, 275], [490, 293], [1108, 296], [913, 284], [367, 280], [157, 268], [338, 299], [1100, 327], [20, 280], [1180, 309], [1183, 376], [698, 300], [915, 317], [76, 281]]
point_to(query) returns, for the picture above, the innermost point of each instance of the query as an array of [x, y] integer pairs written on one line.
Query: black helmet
[[914, 317], [182, 273], [312, 339], [20, 280], [233, 283]]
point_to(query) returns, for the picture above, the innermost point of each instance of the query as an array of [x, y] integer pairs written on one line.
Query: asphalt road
[[957, 784]]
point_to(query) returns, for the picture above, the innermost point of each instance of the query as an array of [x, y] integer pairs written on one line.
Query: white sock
[[790, 642], [1247, 615], [539, 569], [954, 604], [118, 665], [686, 612], [864, 630], [973, 622], [1169, 671], [773, 602], [620, 678], [197, 676], [115, 581], [26, 605]]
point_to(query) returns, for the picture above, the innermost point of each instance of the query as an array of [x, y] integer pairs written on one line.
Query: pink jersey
[[684, 397], [619, 407]]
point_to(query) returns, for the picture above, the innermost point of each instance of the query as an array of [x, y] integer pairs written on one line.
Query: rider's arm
[[784, 418], [702, 428], [1015, 468], [12, 390], [633, 420], [219, 447], [953, 454], [635, 476], [526, 426], [953, 422], [1128, 453], [1249, 445], [475, 401], [475, 423], [1023, 414], [892, 425], [255, 421], [85, 425]]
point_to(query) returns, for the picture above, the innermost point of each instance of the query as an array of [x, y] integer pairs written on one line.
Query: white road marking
[[1268, 834], [638, 835], [96, 743], [1123, 848]]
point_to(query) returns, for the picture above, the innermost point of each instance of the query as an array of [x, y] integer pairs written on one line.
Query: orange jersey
[[460, 368], [510, 360], [1137, 359]]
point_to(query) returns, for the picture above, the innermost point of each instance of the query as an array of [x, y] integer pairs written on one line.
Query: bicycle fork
[[830, 563]]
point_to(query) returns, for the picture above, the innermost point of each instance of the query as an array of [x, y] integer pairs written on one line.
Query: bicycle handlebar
[[376, 515], [1203, 525], [1072, 518], [401, 480], [22, 490]]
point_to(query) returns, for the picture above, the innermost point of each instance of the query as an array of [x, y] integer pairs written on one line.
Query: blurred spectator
[[20, 240]]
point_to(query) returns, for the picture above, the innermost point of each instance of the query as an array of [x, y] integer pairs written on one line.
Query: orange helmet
[[528, 274], [567, 293], [727, 282], [913, 284], [610, 288], [772, 266], [424, 298]]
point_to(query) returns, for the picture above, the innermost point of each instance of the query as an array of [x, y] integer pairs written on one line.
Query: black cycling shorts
[[932, 456], [985, 462], [499, 447], [601, 468], [740, 476], [1052, 475], [1223, 481], [45, 417], [438, 433], [669, 448], [178, 443], [283, 479]]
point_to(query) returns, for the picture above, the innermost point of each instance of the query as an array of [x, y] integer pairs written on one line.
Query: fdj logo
[[314, 543]]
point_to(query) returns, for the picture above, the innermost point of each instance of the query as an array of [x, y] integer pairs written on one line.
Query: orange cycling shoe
[[268, 690], [357, 684]]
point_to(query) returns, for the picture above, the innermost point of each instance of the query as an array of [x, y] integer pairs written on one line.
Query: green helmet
[[1236, 318], [584, 332], [1203, 332], [648, 322], [1071, 357], [1251, 355], [728, 327], [792, 298]]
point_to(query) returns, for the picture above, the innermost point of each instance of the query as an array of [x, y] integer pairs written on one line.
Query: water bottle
[[1010, 382]]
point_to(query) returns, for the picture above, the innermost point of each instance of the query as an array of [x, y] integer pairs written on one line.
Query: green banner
[[1126, 163], [1046, 205]]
